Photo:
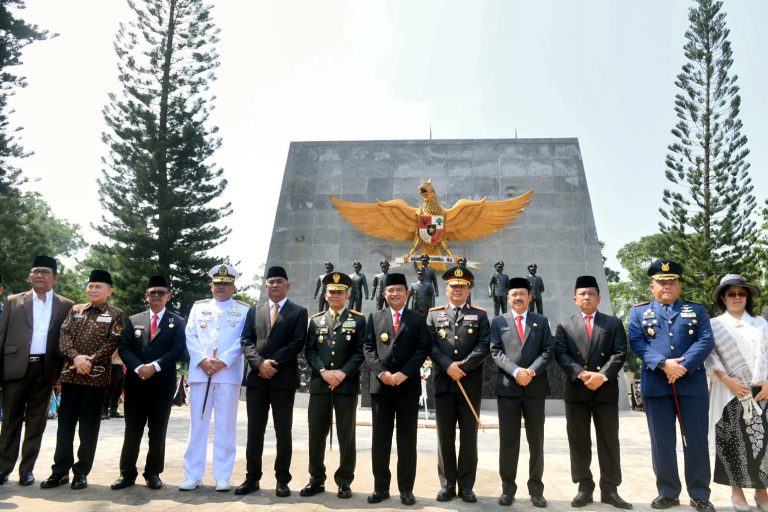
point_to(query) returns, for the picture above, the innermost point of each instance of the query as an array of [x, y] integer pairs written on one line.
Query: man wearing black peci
[[150, 345]]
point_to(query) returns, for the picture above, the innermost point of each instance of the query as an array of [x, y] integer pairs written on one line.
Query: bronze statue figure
[[429, 274], [421, 294], [378, 285], [498, 288], [320, 287], [359, 285], [537, 288]]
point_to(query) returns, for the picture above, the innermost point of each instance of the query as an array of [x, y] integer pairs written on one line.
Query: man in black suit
[[150, 345], [521, 346], [591, 346], [334, 353], [31, 365], [396, 346], [273, 337], [459, 336]]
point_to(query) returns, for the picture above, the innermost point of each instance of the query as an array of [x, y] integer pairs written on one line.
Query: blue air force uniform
[[657, 333]]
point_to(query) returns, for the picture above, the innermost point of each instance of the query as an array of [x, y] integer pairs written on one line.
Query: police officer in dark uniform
[[498, 287], [334, 351], [673, 337], [460, 342]]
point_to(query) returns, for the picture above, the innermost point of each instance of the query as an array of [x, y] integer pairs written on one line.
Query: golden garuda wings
[[431, 226]]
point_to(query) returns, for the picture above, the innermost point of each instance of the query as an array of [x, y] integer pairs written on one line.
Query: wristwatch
[[661, 364]]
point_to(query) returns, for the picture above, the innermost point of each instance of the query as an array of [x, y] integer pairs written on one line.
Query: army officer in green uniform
[[334, 351]]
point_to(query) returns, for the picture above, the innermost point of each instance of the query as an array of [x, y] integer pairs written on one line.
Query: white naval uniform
[[224, 392]]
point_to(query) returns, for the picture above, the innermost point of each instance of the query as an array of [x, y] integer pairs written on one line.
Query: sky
[[295, 70]]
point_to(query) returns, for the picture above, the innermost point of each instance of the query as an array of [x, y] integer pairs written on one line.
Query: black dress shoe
[[54, 481], [702, 505], [468, 496], [446, 494], [247, 487], [312, 488], [613, 498], [282, 490], [506, 500], [154, 482], [26, 478], [122, 483], [539, 501], [79, 482], [344, 491], [115, 414], [105, 415], [378, 496], [581, 499], [407, 498], [3, 477], [664, 502]]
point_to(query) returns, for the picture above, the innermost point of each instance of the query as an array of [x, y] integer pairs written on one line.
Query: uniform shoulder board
[[694, 302], [437, 308], [201, 301], [478, 307], [317, 314], [356, 313], [641, 303]]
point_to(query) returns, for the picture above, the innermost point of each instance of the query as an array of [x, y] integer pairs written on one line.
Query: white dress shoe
[[189, 484], [222, 485]]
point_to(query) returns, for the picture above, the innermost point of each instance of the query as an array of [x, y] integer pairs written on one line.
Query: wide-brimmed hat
[[734, 280]]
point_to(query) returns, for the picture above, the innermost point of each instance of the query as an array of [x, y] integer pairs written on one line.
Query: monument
[[556, 229]]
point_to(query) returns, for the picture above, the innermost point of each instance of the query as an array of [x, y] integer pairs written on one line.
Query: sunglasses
[[156, 293], [733, 295]]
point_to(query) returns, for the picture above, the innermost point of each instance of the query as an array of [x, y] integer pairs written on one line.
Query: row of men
[[232, 345]]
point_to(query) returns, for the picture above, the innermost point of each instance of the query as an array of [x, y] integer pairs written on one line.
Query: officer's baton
[[207, 389], [679, 415], [471, 407]]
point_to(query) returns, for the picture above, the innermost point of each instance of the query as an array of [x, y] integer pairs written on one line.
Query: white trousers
[[222, 403]]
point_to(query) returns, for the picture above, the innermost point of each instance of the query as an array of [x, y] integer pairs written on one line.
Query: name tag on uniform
[[504, 329], [104, 319], [688, 314], [470, 317]]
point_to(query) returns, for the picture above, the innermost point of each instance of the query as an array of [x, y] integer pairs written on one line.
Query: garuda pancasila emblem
[[430, 227]]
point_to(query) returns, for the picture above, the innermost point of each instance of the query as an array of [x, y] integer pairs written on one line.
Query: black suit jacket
[[16, 326], [464, 337], [282, 342], [336, 346], [603, 353], [508, 354], [166, 348], [403, 352]]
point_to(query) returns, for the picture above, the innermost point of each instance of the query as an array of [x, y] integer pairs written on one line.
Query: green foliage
[[612, 276], [28, 228], [160, 182], [706, 218]]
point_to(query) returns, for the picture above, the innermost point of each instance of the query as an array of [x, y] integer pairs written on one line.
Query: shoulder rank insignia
[[437, 308], [693, 302], [243, 303], [317, 314], [641, 303], [356, 313], [477, 307]]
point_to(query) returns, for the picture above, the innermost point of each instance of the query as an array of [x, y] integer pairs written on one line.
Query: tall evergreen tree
[[707, 218], [161, 183]]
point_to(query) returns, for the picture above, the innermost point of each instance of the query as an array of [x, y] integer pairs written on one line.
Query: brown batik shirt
[[91, 331]]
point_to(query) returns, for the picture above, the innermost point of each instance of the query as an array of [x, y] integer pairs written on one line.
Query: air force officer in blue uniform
[[672, 338]]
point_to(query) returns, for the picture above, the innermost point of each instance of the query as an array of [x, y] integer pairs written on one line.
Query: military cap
[[276, 271], [100, 276], [223, 273], [458, 276], [337, 281], [665, 270], [586, 282], [394, 279], [158, 282], [519, 282], [533, 265], [500, 262], [44, 261]]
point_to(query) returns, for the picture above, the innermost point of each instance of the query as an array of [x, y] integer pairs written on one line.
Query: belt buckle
[[34, 359]]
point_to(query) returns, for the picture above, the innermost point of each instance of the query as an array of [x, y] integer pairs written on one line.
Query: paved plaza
[[638, 487]]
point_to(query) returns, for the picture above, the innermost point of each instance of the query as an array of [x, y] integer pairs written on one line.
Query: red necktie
[[397, 321], [520, 330], [588, 322], [153, 327]]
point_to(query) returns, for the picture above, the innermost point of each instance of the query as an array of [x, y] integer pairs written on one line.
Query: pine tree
[[161, 180], [707, 217]]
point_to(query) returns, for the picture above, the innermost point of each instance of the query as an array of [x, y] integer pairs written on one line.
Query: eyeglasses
[[45, 272], [733, 295], [156, 293]]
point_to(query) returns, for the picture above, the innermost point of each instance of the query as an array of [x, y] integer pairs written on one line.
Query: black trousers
[[388, 410], [319, 415], [258, 402], [450, 409], [511, 411], [115, 388], [25, 402], [147, 404], [79, 404], [606, 418]]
